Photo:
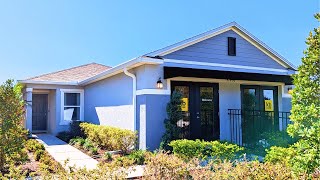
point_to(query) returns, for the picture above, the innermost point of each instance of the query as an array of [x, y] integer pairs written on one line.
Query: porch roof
[[171, 72]]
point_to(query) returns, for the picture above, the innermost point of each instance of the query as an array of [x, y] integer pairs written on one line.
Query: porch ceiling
[[171, 72]]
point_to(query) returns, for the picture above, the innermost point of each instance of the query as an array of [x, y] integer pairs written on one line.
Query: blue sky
[[38, 37]]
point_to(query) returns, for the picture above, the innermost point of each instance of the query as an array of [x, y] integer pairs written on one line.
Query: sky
[[42, 36]]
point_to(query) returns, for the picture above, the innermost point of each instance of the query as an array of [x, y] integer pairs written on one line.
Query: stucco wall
[[148, 75], [109, 102], [229, 98], [150, 117]]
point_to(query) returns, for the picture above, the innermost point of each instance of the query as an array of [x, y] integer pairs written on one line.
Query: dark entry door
[[201, 119], [259, 112], [39, 112]]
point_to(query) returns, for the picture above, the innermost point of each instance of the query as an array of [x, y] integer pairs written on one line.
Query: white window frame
[[62, 92]]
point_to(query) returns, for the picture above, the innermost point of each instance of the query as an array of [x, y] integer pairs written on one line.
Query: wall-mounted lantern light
[[290, 90], [159, 84]]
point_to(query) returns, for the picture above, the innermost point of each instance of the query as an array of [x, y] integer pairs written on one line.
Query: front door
[[200, 110], [39, 112]]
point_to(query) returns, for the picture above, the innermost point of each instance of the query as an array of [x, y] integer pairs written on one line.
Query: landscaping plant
[[174, 115], [189, 149], [110, 138], [306, 107], [12, 133], [304, 155]]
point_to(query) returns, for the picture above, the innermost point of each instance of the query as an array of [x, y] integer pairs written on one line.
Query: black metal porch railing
[[249, 127]]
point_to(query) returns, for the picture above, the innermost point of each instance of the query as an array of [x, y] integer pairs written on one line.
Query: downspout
[[134, 96]]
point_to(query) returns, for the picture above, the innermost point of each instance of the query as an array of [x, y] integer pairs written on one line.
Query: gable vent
[[231, 46]]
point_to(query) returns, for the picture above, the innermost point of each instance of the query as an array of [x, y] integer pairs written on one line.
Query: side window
[[231, 46]]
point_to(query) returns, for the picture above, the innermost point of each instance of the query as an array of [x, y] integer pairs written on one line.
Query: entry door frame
[[194, 106], [47, 112]]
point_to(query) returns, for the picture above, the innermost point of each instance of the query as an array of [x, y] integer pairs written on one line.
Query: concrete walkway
[[61, 151]]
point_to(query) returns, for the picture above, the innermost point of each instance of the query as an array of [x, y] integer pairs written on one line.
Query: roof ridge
[[66, 70]]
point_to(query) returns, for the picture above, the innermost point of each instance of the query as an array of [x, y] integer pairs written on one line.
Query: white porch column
[[29, 109]]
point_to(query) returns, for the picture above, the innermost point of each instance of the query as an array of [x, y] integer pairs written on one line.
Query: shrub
[[306, 107], [108, 156], [166, 166], [94, 150], [78, 142], [48, 164], [38, 154], [33, 145], [188, 149], [12, 133], [174, 112], [110, 138], [138, 156], [280, 155], [87, 145]]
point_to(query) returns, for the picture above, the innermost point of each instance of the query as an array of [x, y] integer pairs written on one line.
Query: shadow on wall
[[117, 116]]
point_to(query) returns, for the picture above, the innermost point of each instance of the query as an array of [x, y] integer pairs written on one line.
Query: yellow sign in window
[[268, 105], [185, 104]]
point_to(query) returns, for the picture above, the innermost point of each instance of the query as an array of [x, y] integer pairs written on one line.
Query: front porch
[[251, 128]]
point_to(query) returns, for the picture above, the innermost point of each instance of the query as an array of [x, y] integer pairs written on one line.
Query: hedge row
[[188, 149], [110, 138]]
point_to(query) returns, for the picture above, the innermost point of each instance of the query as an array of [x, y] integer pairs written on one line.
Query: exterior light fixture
[[290, 90], [159, 84]]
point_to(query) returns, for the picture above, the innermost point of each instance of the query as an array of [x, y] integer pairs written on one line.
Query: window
[[231, 46], [71, 106]]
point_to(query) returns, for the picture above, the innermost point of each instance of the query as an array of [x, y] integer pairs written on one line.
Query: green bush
[[280, 155], [188, 149], [138, 156], [110, 138], [94, 150], [33, 145], [87, 145], [12, 133], [78, 142], [108, 156], [38, 154]]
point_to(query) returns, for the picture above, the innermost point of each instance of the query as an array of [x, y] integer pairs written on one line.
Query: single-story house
[[220, 73]]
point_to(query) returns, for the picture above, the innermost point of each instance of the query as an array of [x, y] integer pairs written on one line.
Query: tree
[[306, 107], [174, 115], [12, 133]]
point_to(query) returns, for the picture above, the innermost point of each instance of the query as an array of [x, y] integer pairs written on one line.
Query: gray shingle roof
[[75, 74]]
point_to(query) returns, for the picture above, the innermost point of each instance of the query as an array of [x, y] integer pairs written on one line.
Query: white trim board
[[223, 65], [153, 92]]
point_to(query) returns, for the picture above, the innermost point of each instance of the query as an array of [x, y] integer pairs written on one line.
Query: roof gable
[[215, 32], [215, 50]]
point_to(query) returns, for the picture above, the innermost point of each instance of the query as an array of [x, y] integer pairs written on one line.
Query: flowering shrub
[[110, 138], [188, 149]]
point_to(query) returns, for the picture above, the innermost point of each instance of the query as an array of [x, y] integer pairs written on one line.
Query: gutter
[[134, 96]]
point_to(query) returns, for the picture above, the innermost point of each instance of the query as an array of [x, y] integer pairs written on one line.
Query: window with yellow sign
[[268, 105], [185, 104]]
